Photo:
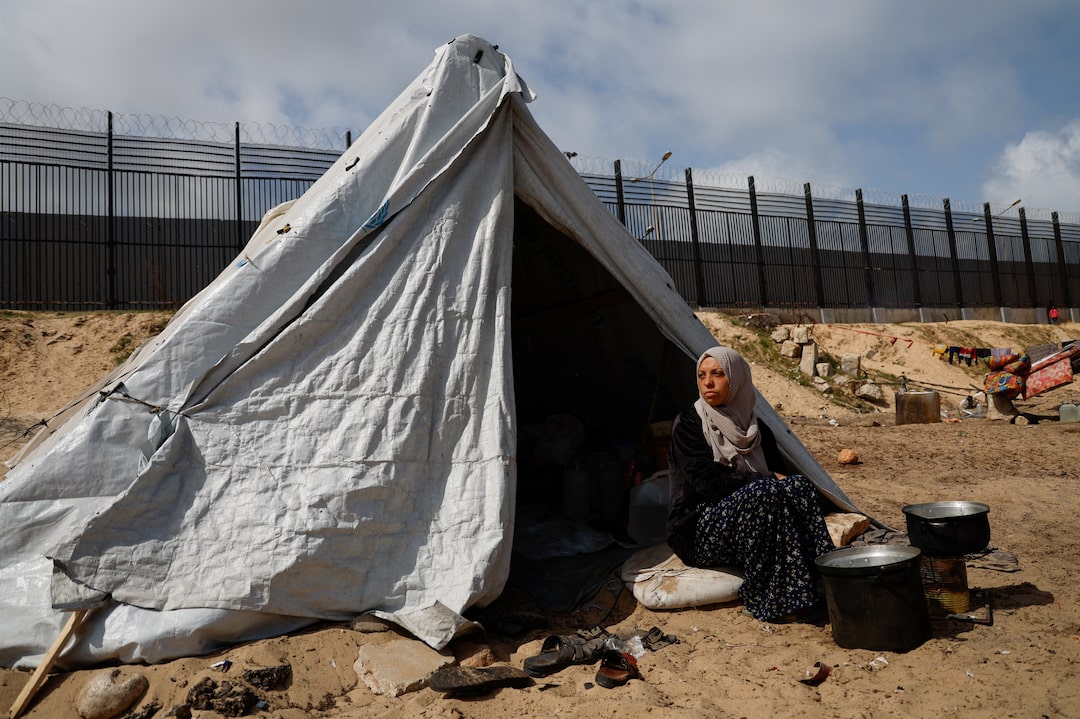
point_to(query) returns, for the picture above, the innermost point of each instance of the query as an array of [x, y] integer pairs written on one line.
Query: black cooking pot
[[948, 528], [875, 597]]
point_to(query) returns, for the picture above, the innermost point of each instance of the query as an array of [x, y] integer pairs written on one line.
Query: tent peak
[[472, 45]]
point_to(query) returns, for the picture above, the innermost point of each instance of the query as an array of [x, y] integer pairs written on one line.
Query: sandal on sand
[[656, 639], [616, 669], [477, 680], [561, 650]]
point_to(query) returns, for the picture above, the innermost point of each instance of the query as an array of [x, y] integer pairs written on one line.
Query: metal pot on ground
[[948, 528], [875, 597]]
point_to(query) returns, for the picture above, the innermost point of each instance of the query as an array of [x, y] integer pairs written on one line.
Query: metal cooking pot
[[875, 597], [948, 528]]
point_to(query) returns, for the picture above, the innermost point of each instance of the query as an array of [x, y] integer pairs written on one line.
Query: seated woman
[[729, 508]]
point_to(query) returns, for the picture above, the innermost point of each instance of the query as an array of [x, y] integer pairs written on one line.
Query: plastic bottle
[[632, 645]]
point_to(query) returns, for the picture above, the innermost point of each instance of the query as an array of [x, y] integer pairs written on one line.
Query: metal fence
[[742, 247], [114, 211], [122, 211]]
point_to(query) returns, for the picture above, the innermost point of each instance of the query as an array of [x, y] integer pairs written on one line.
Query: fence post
[[1029, 265], [815, 256], [110, 223], [759, 249], [240, 239], [1062, 271], [957, 283], [864, 240], [695, 239], [991, 246], [909, 231], [620, 198], [348, 139]]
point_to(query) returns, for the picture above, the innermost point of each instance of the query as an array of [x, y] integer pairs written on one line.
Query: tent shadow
[[1024, 594], [559, 596]]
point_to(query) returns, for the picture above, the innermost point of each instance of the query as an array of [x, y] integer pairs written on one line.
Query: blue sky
[[976, 100]]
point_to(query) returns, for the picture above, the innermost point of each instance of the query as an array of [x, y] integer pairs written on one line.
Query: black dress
[[771, 529]]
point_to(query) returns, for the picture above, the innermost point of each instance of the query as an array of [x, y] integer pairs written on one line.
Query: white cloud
[[907, 97], [1043, 169], [777, 163]]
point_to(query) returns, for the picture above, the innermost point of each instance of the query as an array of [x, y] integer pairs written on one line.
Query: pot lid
[[855, 560], [946, 510]]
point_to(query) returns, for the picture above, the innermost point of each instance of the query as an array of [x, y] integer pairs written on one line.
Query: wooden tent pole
[[42, 671]]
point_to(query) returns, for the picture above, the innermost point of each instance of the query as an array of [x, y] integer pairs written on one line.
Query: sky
[[975, 100]]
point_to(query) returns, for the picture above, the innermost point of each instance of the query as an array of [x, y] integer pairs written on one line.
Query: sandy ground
[[726, 664]]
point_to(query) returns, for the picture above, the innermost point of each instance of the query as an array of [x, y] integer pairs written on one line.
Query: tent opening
[[592, 374]]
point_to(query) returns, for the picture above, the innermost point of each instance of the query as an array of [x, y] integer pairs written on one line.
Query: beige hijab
[[732, 429]]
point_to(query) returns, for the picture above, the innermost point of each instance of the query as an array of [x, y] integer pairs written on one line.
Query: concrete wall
[[893, 315]]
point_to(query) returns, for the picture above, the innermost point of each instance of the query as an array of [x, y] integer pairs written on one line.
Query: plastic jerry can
[[1069, 412]]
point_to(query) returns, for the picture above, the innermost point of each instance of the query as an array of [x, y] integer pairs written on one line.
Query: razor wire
[[336, 139], [635, 170], [21, 112]]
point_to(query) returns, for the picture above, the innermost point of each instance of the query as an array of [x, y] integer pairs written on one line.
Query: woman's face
[[712, 382]]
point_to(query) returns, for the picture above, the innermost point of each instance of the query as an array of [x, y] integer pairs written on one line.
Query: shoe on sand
[[616, 669], [477, 680]]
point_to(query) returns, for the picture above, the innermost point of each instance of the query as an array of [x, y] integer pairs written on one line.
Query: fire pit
[[945, 532]]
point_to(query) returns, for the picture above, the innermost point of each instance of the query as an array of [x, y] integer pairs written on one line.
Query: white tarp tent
[[332, 425]]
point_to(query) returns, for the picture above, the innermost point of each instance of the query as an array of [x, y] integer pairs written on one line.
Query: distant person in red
[[1052, 314]]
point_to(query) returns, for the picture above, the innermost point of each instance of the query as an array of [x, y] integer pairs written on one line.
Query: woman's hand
[[779, 476]]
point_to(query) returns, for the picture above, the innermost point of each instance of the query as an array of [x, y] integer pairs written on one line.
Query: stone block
[[870, 391], [808, 363], [790, 349], [780, 334], [399, 666], [824, 369], [801, 335], [851, 364], [845, 526]]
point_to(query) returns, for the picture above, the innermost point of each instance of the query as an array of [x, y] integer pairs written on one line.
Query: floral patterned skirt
[[771, 529]]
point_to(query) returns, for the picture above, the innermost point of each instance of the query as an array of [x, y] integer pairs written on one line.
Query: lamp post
[[652, 194], [999, 213]]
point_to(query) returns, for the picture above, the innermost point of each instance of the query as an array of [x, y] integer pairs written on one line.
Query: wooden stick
[[41, 673]]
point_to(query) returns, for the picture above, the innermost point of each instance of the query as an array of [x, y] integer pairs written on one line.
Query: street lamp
[[665, 158], [652, 194], [999, 213]]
